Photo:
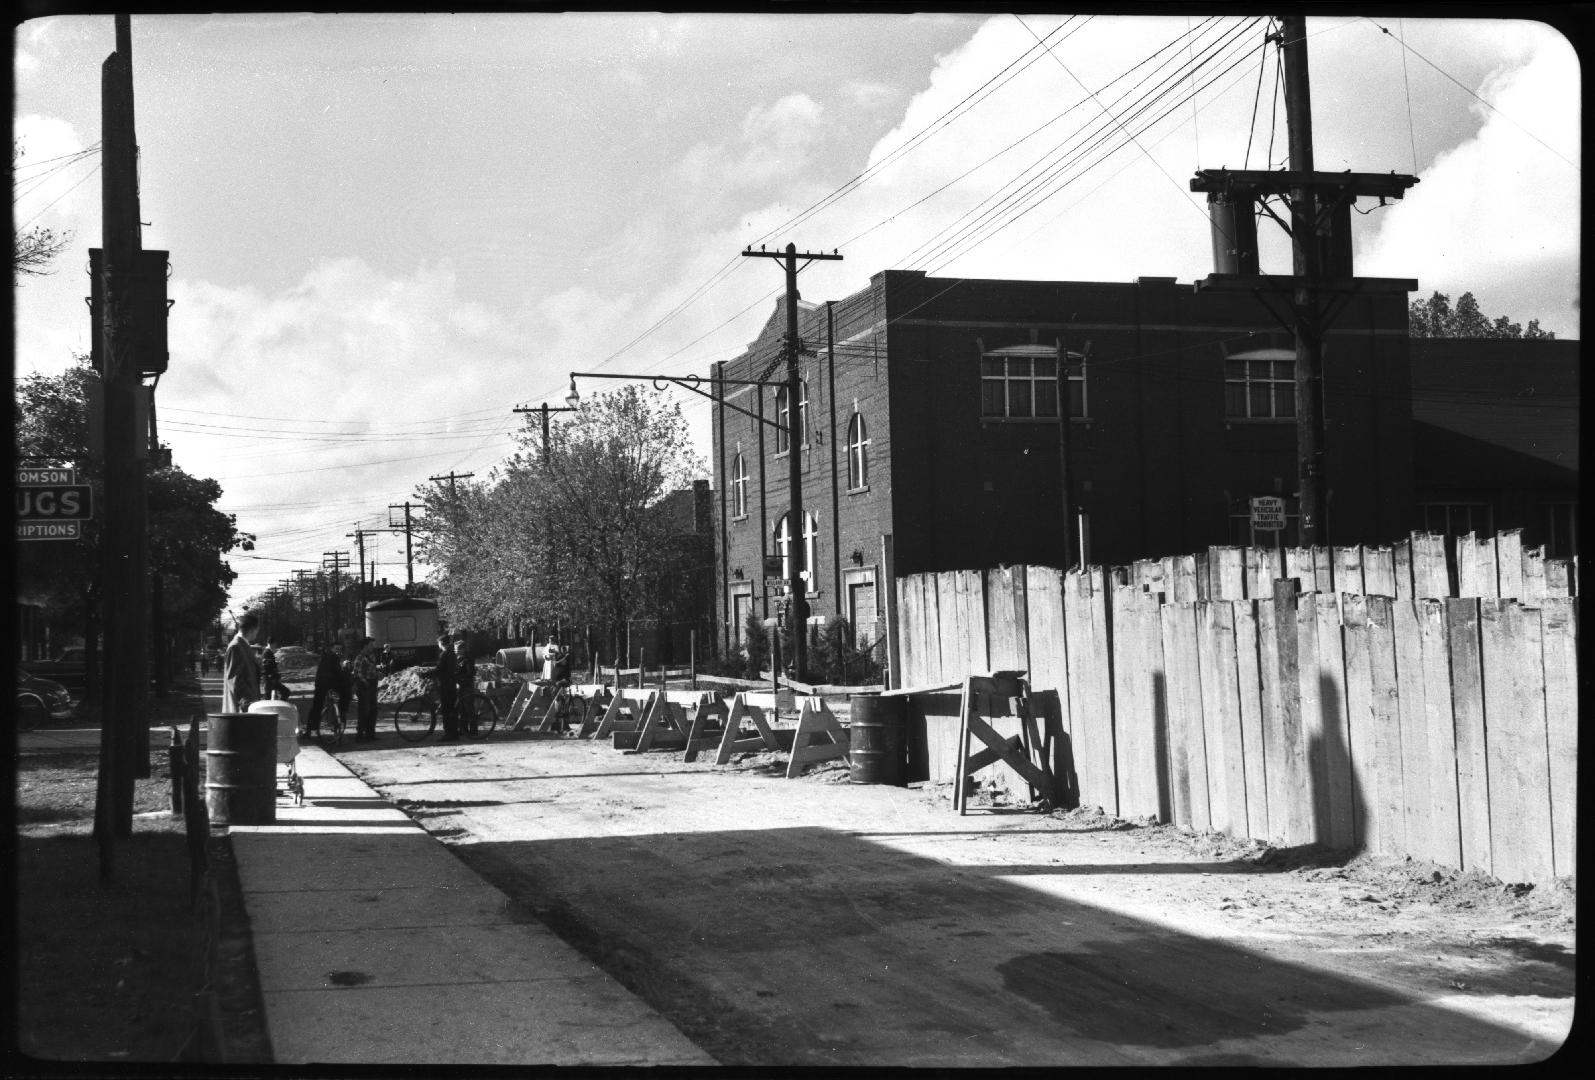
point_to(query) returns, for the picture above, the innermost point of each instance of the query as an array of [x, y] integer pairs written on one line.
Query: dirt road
[[818, 922]]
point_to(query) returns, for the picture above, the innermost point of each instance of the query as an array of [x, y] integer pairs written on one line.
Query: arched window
[[783, 544], [857, 453], [739, 487], [783, 416]]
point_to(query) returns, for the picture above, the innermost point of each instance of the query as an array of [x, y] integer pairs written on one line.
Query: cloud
[[776, 141], [1498, 214]]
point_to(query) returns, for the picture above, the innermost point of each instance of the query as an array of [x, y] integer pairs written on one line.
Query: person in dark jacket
[[444, 672], [271, 684], [331, 678], [465, 686]]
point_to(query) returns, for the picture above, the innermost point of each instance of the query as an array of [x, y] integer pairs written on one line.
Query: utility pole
[[359, 535], [545, 409], [451, 477], [1305, 248], [1323, 281], [340, 559], [124, 565], [409, 562], [797, 588]]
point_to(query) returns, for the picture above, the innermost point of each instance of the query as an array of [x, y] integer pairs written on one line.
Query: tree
[[34, 250], [188, 536], [578, 540], [1435, 318]]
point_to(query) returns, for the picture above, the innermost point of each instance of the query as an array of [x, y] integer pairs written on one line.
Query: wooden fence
[[1214, 693]]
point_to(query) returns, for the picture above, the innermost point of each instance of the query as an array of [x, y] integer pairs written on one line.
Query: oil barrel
[[878, 744], [241, 768]]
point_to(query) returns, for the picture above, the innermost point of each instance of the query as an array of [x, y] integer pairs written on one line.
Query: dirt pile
[[403, 685]]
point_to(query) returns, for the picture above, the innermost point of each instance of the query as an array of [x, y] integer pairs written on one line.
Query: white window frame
[[1273, 381], [783, 544], [1071, 366], [857, 453], [739, 487], [783, 420]]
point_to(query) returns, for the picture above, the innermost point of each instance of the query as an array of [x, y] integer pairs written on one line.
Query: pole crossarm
[[1282, 181], [690, 382]]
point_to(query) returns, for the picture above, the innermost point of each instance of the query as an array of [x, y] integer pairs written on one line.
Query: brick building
[[931, 412]]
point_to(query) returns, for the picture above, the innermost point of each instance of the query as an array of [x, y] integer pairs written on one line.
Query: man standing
[[271, 684], [366, 679], [444, 673], [465, 681], [240, 672]]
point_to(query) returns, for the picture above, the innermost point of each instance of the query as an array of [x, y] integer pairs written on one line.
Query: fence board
[[1360, 722], [1299, 565], [1249, 569], [1401, 556], [910, 628], [1445, 835], [1413, 712], [1557, 578], [1347, 570], [1560, 644], [1090, 687], [1387, 800], [1187, 752], [1047, 659], [949, 628], [1509, 563], [1221, 719], [1184, 576], [1331, 675], [1467, 704], [1006, 645], [1290, 805], [1310, 699], [1249, 683], [1228, 572], [1514, 717], [1378, 571], [1533, 571], [1324, 569], [1430, 575], [1140, 712], [972, 620]]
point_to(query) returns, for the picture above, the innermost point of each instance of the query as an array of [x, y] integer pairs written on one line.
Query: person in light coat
[[240, 671]]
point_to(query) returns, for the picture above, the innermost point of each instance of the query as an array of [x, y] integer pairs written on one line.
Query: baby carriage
[[287, 742]]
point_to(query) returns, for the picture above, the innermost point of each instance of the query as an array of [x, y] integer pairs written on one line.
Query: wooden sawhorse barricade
[[669, 710], [819, 737], [624, 712], [1002, 693]]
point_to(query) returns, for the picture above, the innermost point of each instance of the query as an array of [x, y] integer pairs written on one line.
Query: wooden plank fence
[[1394, 718]]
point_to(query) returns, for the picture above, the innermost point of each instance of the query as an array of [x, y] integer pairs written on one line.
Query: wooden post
[[1467, 681], [1516, 752], [894, 676]]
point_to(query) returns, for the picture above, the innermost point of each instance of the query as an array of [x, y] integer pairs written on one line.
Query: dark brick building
[[931, 407]]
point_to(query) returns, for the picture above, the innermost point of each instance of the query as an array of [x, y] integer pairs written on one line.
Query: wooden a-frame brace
[[529, 701], [698, 735], [668, 709], [625, 711], [982, 696], [815, 721], [595, 698], [745, 706]]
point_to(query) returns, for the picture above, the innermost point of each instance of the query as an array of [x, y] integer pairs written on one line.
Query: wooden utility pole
[[359, 535], [451, 477], [545, 409], [1305, 248], [340, 559], [409, 563], [126, 586], [797, 588], [1323, 281]]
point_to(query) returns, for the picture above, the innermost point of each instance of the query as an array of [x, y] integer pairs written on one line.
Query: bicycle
[[416, 719], [329, 732]]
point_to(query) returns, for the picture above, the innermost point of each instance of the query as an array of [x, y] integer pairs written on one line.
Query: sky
[[387, 232]]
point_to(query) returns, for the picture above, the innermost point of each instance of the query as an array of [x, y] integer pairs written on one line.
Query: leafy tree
[[34, 250], [580, 539], [188, 536], [1435, 318]]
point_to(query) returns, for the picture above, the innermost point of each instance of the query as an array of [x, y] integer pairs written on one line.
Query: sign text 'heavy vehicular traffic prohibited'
[[1268, 512]]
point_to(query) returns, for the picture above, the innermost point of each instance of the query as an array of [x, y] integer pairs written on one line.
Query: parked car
[[70, 666], [41, 699]]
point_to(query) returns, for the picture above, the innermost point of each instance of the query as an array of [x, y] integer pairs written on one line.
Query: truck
[[69, 667]]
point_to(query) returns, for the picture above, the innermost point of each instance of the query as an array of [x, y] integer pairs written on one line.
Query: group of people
[[353, 674]]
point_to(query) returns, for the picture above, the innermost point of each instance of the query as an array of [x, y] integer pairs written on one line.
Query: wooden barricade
[[818, 738], [750, 706], [625, 711], [699, 735], [1001, 693], [531, 701], [594, 699], [577, 700], [668, 709]]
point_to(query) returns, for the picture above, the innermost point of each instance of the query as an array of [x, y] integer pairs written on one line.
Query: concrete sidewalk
[[375, 945]]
